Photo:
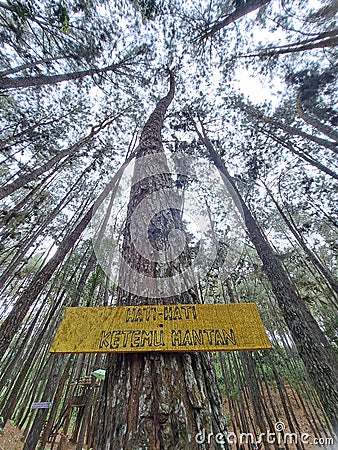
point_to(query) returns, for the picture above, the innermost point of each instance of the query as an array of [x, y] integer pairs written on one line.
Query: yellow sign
[[168, 328]]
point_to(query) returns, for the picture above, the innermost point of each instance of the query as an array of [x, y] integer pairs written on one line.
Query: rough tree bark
[[159, 400]]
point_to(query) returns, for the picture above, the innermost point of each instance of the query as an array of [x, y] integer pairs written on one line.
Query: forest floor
[[11, 438]]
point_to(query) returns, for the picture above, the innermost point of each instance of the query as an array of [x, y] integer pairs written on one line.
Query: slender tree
[[43, 80], [319, 358], [71, 151], [322, 40], [30, 65], [301, 153], [13, 321], [331, 145], [243, 9]]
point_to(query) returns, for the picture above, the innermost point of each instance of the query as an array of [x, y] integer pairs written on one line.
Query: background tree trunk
[[44, 80], [319, 358]]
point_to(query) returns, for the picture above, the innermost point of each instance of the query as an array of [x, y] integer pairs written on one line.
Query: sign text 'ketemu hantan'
[[169, 328]]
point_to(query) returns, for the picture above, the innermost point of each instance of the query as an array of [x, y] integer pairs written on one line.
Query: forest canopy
[[236, 101]]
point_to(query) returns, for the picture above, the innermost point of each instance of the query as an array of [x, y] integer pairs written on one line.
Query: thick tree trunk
[[161, 400], [318, 357]]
